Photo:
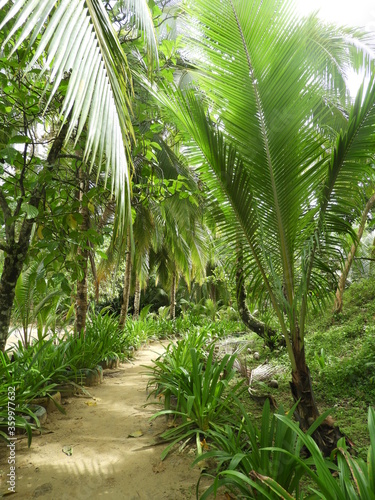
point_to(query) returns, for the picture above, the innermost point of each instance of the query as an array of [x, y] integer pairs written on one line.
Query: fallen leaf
[[203, 465], [90, 403], [135, 434], [160, 467], [68, 450], [204, 445], [172, 424]]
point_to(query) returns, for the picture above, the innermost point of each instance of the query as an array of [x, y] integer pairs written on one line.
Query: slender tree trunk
[[137, 298], [107, 214], [13, 264], [337, 308], [98, 273], [16, 251], [172, 312], [83, 255], [270, 336], [94, 275], [211, 286], [127, 281], [307, 411]]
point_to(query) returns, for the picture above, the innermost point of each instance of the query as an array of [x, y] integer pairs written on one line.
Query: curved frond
[[283, 153], [143, 17], [78, 43]]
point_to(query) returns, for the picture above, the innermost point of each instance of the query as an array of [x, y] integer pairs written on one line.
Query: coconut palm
[[280, 146], [337, 308], [167, 227]]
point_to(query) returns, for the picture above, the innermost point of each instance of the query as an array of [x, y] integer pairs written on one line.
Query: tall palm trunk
[[127, 281], [326, 435], [83, 255], [337, 308], [172, 312], [137, 298], [301, 387]]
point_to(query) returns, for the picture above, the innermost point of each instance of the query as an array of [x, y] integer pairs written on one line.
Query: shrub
[[202, 396], [33, 372], [246, 462], [103, 340], [267, 463]]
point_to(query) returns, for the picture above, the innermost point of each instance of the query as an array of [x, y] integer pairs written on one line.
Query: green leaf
[[30, 210], [10, 154], [103, 255], [19, 139], [71, 221]]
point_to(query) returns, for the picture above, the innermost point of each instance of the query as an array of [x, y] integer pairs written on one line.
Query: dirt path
[[106, 462]]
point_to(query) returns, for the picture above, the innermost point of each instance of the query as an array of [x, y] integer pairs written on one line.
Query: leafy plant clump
[[102, 341], [271, 462], [31, 372], [197, 389]]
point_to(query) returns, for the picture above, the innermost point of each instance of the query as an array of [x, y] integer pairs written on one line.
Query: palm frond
[[77, 39], [144, 20], [282, 155]]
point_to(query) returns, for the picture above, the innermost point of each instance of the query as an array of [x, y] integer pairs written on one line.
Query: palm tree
[[167, 227], [337, 307], [281, 147]]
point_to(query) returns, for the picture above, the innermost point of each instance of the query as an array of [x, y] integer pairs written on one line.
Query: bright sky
[[359, 13], [344, 12]]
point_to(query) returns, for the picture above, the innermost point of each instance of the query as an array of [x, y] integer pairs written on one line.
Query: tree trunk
[[307, 411], [94, 274], [211, 285], [127, 281], [326, 435], [137, 298], [172, 312], [13, 264], [271, 338], [16, 252], [337, 308], [83, 255]]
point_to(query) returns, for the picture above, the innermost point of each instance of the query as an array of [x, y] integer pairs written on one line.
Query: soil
[[106, 461]]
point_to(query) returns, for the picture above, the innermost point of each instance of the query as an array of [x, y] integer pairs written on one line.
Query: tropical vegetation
[[199, 170]]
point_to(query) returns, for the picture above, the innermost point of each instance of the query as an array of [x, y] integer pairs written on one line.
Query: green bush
[[103, 340], [33, 372], [353, 477], [267, 462], [177, 357], [37, 368], [248, 464], [201, 394]]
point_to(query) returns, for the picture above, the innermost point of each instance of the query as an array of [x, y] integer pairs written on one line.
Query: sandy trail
[[106, 462]]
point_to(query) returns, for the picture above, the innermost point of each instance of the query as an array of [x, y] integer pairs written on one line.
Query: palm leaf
[[144, 21], [78, 38]]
